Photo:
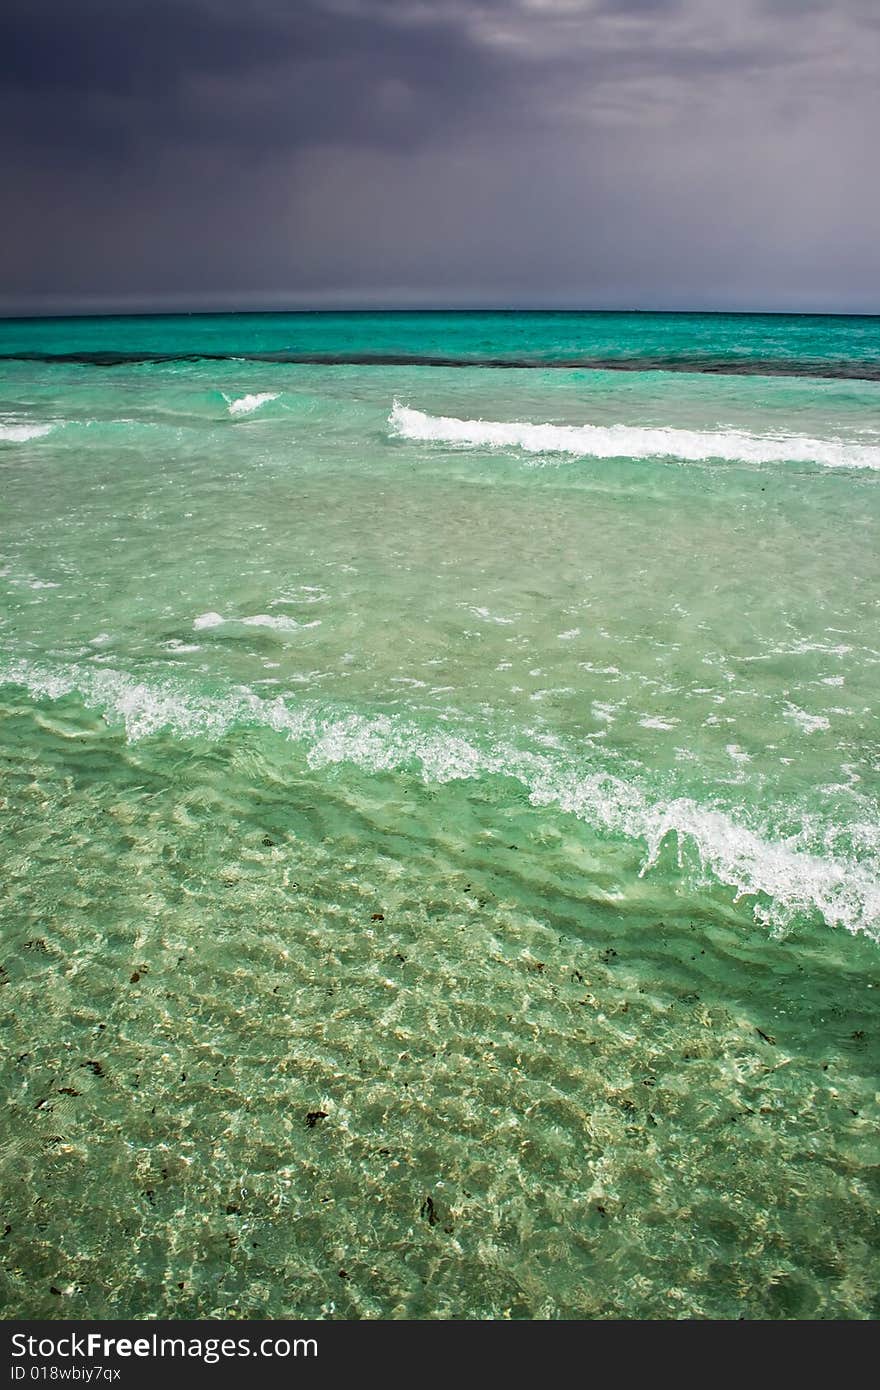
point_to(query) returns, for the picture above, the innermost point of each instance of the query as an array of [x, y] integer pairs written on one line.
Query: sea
[[440, 841]]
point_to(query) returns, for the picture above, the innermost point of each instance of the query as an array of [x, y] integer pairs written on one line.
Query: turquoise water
[[440, 826]]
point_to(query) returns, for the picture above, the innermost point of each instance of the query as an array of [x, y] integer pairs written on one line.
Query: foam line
[[785, 878], [630, 441]]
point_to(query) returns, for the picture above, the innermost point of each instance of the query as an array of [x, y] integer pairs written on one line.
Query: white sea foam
[[810, 723], [305, 593], [784, 876], [603, 711], [246, 405], [631, 441], [486, 615], [20, 434], [737, 754], [803, 648], [279, 622]]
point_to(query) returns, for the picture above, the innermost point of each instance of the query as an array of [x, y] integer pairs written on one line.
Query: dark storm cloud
[[635, 151], [114, 76], [103, 78]]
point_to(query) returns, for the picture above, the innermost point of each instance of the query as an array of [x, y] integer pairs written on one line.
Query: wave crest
[[631, 441], [21, 433], [246, 405], [785, 878]]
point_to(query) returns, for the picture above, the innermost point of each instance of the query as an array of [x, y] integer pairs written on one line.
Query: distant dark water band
[[847, 371]]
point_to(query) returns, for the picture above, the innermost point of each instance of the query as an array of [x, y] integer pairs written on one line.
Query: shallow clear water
[[481, 761]]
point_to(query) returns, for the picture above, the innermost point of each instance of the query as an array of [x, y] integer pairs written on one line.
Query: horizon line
[[40, 316]]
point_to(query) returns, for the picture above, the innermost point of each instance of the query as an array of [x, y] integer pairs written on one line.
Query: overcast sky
[[585, 153]]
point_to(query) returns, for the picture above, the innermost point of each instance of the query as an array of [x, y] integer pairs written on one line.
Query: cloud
[[690, 150]]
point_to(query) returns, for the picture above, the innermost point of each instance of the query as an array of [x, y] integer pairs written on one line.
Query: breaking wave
[[246, 405], [631, 441], [20, 433], [785, 878]]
